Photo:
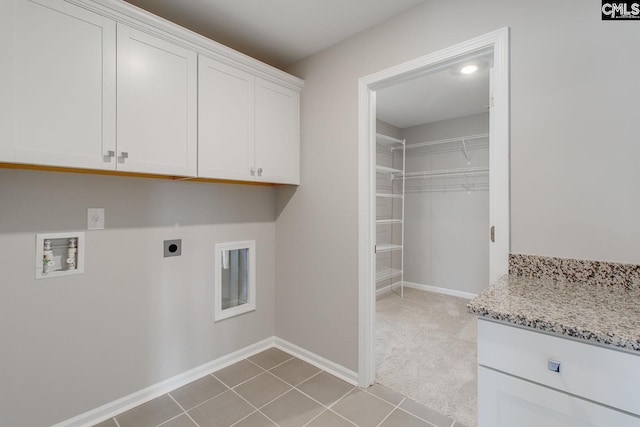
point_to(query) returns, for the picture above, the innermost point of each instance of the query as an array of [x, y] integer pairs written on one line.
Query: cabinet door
[[506, 401], [58, 85], [157, 93], [225, 121], [277, 133]]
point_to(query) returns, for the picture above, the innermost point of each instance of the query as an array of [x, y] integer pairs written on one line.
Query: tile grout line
[[191, 418], [336, 414], [343, 417], [205, 401], [421, 418], [312, 376], [273, 367], [312, 419], [294, 387], [254, 407], [340, 398], [418, 416], [327, 407], [245, 381], [269, 402], [324, 407], [392, 409], [232, 389], [310, 397], [170, 419], [404, 410], [184, 410], [280, 379], [212, 374]]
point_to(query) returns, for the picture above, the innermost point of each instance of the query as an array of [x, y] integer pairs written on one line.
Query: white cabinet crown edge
[[135, 17]]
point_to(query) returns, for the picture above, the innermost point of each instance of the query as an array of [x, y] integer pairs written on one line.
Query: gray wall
[[574, 150], [388, 129], [71, 344], [468, 125], [446, 234]]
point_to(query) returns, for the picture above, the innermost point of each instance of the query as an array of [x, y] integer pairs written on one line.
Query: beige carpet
[[426, 350]]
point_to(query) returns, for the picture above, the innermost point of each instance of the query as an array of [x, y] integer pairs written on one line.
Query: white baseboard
[[445, 291], [325, 364], [116, 407], [386, 289], [383, 291]]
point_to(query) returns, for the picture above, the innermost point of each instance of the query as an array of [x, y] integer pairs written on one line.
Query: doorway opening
[[489, 179]]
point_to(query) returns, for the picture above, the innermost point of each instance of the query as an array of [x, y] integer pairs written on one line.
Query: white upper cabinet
[[157, 102], [277, 133], [225, 121], [248, 127], [104, 85], [57, 85]]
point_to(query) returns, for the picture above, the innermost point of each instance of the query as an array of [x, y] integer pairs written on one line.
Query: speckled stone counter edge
[[481, 309], [559, 330], [597, 273]]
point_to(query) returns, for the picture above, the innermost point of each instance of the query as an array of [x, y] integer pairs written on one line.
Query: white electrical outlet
[[95, 219]]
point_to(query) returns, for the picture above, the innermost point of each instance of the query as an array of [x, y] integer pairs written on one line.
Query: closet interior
[[433, 145], [432, 183]]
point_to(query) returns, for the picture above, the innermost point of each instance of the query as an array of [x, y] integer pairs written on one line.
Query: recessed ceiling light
[[469, 69]]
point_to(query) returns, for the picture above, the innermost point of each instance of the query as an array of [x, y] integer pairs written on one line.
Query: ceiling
[[282, 32], [440, 95], [278, 32]]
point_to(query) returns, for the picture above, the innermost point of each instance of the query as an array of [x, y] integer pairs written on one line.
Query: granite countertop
[[606, 315]]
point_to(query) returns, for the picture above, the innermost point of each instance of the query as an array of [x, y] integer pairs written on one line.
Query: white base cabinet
[[519, 385], [506, 401], [57, 85]]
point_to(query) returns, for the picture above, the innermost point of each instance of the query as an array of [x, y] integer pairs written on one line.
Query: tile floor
[[274, 388]]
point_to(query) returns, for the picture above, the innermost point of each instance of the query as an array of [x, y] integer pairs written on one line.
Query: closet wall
[[447, 232]]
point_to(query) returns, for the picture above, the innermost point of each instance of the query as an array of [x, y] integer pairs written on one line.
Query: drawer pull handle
[[553, 365]]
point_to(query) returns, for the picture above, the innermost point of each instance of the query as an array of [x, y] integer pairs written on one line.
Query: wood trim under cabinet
[[132, 174]]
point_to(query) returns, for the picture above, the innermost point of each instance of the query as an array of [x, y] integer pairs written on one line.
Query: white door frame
[[499, 215]]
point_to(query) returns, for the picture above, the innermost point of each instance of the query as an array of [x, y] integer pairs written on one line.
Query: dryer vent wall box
[[59, 254]]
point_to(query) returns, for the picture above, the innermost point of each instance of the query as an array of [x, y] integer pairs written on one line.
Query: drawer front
[[599, 374], [506, 401]]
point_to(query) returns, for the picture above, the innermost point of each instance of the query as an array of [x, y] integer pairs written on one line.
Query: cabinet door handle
[[259, 171], [110, 154], [123, 155], [553, 365], [253, 171]]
